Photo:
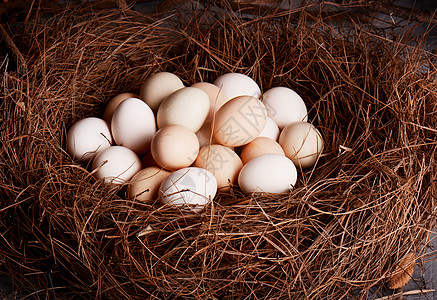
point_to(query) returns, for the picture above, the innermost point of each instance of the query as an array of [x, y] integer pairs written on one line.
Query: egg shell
[[87, 137], [236, 84], [284, 106], [271, 130], [222, 162], [260, 146], [189, 188], [158, 87], [188, 107], [174, 147], [302, 143], [133, 125], [204, 135], [268, 173], [216, 97], [239, 121], [113, 104], [116, 165], [144, 186]]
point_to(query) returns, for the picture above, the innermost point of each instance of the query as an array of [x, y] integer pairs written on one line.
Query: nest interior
[[367, 203]]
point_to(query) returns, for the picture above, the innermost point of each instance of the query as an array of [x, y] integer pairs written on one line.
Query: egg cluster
[[189, 137]]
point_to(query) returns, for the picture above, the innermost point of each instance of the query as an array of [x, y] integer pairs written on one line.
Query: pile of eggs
[[195, 140]]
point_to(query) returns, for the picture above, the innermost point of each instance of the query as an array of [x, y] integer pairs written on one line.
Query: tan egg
[[222, 162], [216, 97], [260, 146], [157, 87], [174, 147], [205, 135], [302, 143], [188, 107], [144, 186], [113, 104], [239, 121]]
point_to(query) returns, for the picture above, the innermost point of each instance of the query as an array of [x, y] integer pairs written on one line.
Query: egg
[[147, 160], [216, 97], [157, 87], [188, 107], [174, 147], [260, 146], [133, 125], [302, 143], [204, 135], [189, 188], [271, 130], [239, 121], [88, 137], [222, 162], [268, 173], [116, 165], [113, 104], [284, 106], [144, 186], [237, 84]]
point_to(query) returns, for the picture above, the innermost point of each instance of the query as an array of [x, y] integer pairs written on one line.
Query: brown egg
[[221, 161], [216, 96], [260, 146], [144, 186], [205, 135], [174, 147], [147, 160], [239, 121], [113, 104]]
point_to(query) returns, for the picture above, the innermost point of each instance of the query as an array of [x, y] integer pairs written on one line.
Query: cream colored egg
[[222, 162], [188, 107], [216, 97], [204, 135], [239, 121], [271, 130], [113, 104], [268, 173], [87, 137], [157, 87], [302, 143], [284, 106], [133, 125], [260, 146], [174, 147], [236, 84], [144, 186], [189, 189], [116, 165]]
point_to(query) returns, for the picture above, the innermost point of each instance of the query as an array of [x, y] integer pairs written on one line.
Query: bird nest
[[350, 220]]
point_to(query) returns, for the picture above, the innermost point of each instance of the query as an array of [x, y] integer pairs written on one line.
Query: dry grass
[[368, 202]]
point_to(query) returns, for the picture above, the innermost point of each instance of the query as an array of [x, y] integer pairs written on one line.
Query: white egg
[[157, 87], [284, 106], [236, 84], [268, 173], [189, 188], [87, 137], [188, 107], [271, 130], [302, 143], [133, 125], [116, 165]]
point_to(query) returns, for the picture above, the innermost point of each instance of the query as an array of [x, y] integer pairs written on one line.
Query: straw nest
[[367, 203]]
